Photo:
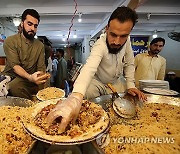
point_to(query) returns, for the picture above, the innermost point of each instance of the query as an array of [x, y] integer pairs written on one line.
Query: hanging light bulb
[[16, 21], [155, 34], [148, 16], [80, 19], [75, 35]]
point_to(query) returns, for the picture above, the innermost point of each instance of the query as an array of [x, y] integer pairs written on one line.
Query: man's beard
[[155, 52], [29, 36], [115, 49]]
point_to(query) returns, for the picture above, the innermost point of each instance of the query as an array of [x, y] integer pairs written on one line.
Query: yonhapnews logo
[[105, 139]]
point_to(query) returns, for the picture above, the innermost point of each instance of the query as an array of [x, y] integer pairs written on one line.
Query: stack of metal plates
[[153, 84]]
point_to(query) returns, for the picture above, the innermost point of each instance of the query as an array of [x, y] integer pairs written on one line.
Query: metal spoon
[[121, 106]]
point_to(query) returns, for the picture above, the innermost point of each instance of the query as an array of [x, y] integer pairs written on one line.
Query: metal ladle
[[121, 106]]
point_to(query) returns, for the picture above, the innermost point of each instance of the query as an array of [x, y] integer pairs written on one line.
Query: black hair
[[158, 39], [32, 13], [61, 51], [123, 14]]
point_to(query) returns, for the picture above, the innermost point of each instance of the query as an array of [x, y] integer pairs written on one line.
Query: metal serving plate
[[160, 91], [50, 89], [34, 131], [17, 101], [65, 143]]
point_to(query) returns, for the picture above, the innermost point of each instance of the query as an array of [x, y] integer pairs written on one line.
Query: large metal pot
[[103, 100], [17, 101]]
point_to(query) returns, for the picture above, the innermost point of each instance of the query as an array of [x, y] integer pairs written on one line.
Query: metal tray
[[17, 101]]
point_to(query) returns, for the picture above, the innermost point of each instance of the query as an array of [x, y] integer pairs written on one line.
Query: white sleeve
[[89, 69]]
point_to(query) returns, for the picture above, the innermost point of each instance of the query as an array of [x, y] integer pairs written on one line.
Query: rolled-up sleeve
[[11, 52], [129, 68]]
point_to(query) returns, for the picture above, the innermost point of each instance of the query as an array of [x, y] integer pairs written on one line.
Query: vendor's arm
[[138, 93], [69, 108], [90, 68]]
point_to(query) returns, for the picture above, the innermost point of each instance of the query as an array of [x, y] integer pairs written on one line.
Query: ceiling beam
[[63, 10], [61, 28], [67, 21], [163, 10]]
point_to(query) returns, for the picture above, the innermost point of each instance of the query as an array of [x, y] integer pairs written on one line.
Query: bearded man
[[25, 62], [150, 65], [111, 57]]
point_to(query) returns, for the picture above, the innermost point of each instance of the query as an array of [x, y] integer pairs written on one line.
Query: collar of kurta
[[157, 56]]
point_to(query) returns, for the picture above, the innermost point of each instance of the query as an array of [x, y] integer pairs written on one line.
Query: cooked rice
[[13, 138], [88, 116], [153, 121], [50, 93]]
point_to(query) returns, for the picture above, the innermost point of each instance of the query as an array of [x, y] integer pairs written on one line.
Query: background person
[[110, 57], [70, 63], [61, 74], [174, 81], [150, 65], [25, 58], [54, 69]]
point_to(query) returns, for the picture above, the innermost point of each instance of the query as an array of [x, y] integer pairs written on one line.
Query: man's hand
[[68, 110], [134, 92], [38, 77]]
